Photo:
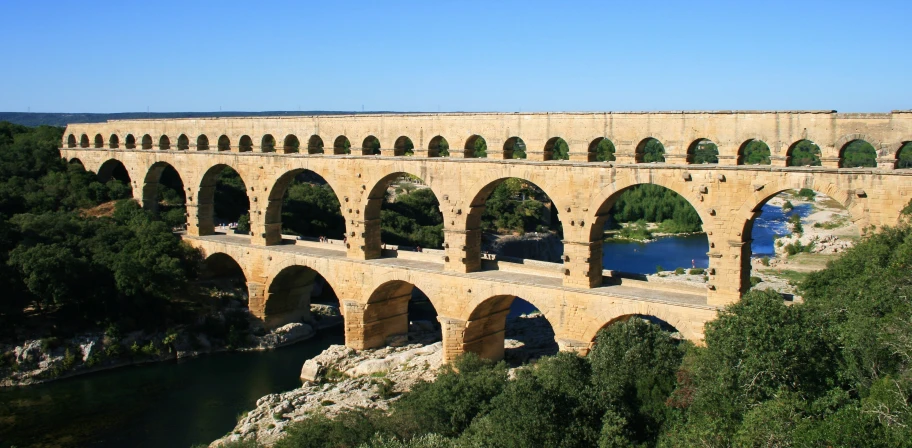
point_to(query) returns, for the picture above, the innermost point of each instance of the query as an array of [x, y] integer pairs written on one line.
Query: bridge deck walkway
[[620, 291]]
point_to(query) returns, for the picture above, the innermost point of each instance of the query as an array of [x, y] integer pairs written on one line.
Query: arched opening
[[224, 143], [76, 162], [399, 313], [291, 144], [341, 145], [904, 156], [84, 141], [507, 327], [225, 279], [370, 146], [315, 145], [650, 150], [438, 147], [404, 147], [754, 152], [202, 143], [303, 204], [648, 229], [409, 213], [601, 150], [147, 142], [99, 141], [114, 141], [267, 143], [515, 219], [223, 202], [557, 149], [858, 154], [672, 331], [476, 147], [514, 148], [164, 143], [71, 141], [116, 178], [183, 143], [130, 141], [164, 195], [291, 294], [245, 144], [803, 153], [792, 233], [703, 151]]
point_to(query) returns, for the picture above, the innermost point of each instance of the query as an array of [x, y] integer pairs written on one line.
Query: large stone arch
[[151, 184], [689, 330], [212, 256], [109, 170], [752, 205], [287, 293], [204, 202], [273, 214], [486, 320], [373, 203]]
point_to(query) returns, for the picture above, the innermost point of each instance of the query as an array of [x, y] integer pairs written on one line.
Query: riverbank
[[341, 378], [39, 361]]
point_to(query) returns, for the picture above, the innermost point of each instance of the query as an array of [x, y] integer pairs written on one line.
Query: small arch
[[163, 189], [114, 141], [202, 143], [222, 199], [438, 147], [702, 151], [601, 150], [99, 141], [288, 296], [430, 232], [514, 148], [315, 145], [183, 143], [557, 149], [302, 202], [754, 152], [84, 141], [130, 142], [857, 154], [370, 146], [147, 142], [904, 156], [803, 153], [291, 144], [224, 143], [475, 147], [487, 328], [245, 144], [164, 143], [650, 150], [389, 310], [341, 145], [220, 267], [267, 143], [403, 147], [77, 162], [114, 170], [71, 141]]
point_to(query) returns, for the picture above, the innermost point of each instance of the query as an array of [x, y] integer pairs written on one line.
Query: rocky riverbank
[[342, 378], [41, 360]]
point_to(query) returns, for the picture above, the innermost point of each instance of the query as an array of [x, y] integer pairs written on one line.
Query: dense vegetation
[[64, 270], [656, 204], [650, 151], [756, 152], [804, 153], [833, 371], [705, 151], [311, 208], [859, 153], [413, 219]]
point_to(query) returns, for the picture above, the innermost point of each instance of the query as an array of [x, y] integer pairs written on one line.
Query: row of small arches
[[855, 153]]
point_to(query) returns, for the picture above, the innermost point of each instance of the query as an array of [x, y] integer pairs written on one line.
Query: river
[[179, 404], [166, 404]]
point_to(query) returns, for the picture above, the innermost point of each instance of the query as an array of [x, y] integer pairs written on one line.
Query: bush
[[755, 281], [679, 271], [787, 206], [659, 268], [696, 271], [765, 261], [807, 194]]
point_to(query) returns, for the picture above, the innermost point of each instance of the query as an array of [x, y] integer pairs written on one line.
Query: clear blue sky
[[123, 56]]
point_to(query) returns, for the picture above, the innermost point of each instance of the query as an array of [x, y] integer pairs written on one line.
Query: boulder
[[312, 371]]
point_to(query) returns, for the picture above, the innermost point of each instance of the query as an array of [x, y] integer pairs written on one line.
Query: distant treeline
[[63, 119]]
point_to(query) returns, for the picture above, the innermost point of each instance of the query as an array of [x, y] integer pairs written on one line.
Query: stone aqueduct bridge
[[471, 295]]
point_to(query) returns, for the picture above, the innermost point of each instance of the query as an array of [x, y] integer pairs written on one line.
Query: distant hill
[[62, 119]]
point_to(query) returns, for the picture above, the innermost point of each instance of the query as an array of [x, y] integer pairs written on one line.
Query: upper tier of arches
[[752, 150]]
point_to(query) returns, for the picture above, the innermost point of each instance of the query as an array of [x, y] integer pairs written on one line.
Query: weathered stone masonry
[[727, 196]]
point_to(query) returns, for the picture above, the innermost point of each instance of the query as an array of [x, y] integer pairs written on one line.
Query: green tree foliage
[[905, 156], [81, 270], [371, 146], [705, 151], [560, 150], [604, 152], [859, 153], [654, 203], [311, 208], [517, 206], [755, 152], [480, 148], [804, 153], [651, 151], [413, 219], [519, 149]]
